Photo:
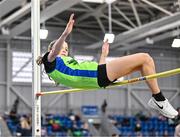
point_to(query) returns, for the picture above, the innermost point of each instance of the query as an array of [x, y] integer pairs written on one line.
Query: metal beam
[[3, 83], [157, 7], [155, 39], [4, 37], [141, 30], [3, 49], [59, 20], [139, 100], [8, 5], [52, 102], [95, 45], [146, 8], [28, 104], [135, 13], [153, 32], [174, 96], [100, 24], [24, 26], [8, 74], [48, 13], [56, 8], [15, 16], [164, 2], [88, 34], [86, 6], [95, 12], [124, 16], [118, 22], [128, 98]]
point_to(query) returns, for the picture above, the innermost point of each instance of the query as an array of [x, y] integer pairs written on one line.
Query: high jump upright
[[36, 79]]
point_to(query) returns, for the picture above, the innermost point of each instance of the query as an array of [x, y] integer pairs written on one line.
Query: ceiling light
[[176, 43], [110, 1], [110, 37], [43, 33], [94, 1], [5, 31], [149, 40]]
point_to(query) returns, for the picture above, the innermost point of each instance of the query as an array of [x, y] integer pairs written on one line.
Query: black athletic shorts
[[103, 80]]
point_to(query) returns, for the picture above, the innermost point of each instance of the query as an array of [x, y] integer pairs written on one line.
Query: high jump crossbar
[[121, 83]]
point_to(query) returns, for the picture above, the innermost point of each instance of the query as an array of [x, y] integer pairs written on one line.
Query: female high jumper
[[89, 74]]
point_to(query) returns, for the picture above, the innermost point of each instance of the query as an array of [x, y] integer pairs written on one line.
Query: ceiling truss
[[133, 20]]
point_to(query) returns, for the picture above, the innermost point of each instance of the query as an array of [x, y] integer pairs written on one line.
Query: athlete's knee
[[147, 58]]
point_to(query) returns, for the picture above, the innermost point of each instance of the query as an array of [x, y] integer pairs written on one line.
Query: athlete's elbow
[[54, 53], [51, 57]]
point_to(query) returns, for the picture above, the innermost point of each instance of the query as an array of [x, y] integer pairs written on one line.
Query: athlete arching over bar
[[66, 70]]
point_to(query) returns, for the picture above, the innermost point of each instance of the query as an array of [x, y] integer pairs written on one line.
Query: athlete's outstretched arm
[[105, 52], [57, 45]]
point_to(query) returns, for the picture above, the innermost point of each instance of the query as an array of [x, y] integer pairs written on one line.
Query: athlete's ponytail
[[39, 60]]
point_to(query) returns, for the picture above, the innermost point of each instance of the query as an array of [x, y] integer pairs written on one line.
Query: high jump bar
[[121, 83]]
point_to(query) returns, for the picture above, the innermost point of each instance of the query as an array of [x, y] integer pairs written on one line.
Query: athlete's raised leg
[[137, 62]]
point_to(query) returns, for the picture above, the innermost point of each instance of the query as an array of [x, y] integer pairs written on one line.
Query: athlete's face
[[64, 50]]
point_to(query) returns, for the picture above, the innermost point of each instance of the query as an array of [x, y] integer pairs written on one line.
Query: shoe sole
[[152, 105]]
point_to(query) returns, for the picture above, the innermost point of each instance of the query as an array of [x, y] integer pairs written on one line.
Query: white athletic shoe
[[164, 107]]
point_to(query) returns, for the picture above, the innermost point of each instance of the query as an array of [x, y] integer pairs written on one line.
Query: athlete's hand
[[69, 25], [105, 49]]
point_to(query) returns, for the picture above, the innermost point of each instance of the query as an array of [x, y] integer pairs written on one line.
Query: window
[[22, 68]]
